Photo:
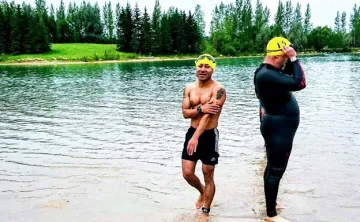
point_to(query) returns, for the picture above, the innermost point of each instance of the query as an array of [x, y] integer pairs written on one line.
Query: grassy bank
[[71, 53], [84, 53]]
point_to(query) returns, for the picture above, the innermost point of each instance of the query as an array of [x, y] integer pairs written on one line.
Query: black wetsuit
[[273, 87]]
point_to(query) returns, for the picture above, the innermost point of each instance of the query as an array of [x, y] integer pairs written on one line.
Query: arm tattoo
[[184, 93], [220, 93]]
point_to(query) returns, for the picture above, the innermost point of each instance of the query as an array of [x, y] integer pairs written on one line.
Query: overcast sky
[[323, 12]]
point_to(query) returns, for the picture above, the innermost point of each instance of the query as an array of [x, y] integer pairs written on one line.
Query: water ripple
[[114, 133]]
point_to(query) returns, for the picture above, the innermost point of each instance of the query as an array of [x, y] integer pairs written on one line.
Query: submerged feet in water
[[280, 206], [277, 218], [200, 202]]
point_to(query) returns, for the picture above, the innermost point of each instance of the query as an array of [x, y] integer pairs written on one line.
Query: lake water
[[103, 142]]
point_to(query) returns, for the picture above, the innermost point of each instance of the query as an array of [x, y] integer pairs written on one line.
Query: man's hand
[[210, 108], [289, 51], [192, 145]]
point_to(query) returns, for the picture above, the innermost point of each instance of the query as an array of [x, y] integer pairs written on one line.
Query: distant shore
[[54, 62], [65, 54], [148, 59], [36, 62]]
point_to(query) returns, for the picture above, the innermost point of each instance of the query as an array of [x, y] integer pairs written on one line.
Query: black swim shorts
[[207, 150]]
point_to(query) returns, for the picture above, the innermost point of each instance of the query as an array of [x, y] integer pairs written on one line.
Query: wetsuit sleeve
[[289, 68], [295, 82]]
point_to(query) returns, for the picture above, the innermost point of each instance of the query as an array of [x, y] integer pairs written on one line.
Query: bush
[[111, 55], [209, 49], [3, 57], [229, 50], [86, 59], [132, 56], [96, 57]]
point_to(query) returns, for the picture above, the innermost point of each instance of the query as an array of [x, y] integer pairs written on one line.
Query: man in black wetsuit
[[274, 86]]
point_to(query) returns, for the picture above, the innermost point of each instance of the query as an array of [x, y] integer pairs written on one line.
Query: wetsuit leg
[[278, 132]]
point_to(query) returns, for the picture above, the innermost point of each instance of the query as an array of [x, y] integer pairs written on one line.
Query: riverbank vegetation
[[89, 32]]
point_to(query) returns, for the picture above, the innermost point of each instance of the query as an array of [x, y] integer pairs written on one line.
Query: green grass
[[74, 52]]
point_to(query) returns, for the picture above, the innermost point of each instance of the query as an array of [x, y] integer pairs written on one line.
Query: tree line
[[236, 28], [26, 29]]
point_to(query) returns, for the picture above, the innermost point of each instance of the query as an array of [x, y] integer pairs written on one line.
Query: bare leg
[[208, 171], [188, 169]]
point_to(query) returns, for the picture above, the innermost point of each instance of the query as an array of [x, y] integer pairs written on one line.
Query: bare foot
[[277, 218], [200, 202], [202, 218], [280, 206]]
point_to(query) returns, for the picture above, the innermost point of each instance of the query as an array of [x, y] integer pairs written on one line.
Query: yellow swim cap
[[206, 59], [275, 45]]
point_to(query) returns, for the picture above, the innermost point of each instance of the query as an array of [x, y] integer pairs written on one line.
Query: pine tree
[[155, 26], [279, 20], [28, 24], [39, 34], [337, 22], [2, 30], [62, 30], [259, 16], [146, 40], [200, 20], [288, 19], [266, 16], [40, 7], [8, 17], [136, 35], [182, 39], [127, 28], [110, 22], [343, 22], [175, 28], [297, 14], [52, 24], [193, 37], [296, 33], [16, 44], [105, 20], [120, 31], [307, 23], [355, 26], [166, 41]]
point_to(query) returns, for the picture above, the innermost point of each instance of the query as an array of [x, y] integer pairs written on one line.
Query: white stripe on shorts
[[216, 131]]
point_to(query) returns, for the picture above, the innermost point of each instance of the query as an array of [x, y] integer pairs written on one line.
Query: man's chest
[[200, 97]]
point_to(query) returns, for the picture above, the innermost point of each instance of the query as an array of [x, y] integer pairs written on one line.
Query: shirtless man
[[202, 103]]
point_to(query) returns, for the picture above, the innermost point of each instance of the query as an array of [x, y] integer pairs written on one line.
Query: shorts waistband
[[192, 129]]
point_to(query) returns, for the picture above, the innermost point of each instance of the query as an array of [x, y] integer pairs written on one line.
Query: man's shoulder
[[218, 86], [266, 73], [190, 86]]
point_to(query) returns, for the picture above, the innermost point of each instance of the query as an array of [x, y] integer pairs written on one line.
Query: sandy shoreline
[[148, 59]]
